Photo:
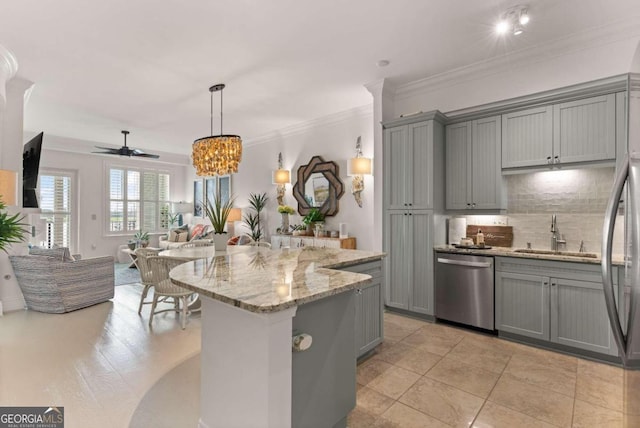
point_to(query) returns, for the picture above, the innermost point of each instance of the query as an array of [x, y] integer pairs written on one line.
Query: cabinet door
[[420, 262], [585, 130], [420, 162], [522, 304], [486, 182], [579, 316], [369, 307], [457, 166], [527, 137], [395, 168], [397, 247]]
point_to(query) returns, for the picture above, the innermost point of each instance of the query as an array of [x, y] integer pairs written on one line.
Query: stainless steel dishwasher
[[464, 289]]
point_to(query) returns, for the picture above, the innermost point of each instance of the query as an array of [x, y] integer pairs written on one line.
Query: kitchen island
[[253, 302]]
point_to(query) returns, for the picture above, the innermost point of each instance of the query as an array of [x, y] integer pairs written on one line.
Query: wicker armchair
[[163, 287], [52, 285], [146, 276]]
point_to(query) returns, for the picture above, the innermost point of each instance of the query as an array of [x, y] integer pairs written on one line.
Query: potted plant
[[314, 216], [142, 238], [218, 212], [257, 202], [285, 210], [11, 228]]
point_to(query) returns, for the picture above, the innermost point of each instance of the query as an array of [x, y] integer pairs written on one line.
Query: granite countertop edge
[[352, 280], [617, 260]]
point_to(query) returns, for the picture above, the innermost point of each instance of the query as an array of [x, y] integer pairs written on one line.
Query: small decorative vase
[[318, 230], [220, 241], [284, 227]]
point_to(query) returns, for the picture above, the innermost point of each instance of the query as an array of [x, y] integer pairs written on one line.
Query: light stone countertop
[[509, 252], [264, 280]]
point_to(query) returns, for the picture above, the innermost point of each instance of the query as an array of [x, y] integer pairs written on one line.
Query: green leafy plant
[[313, 216], [257, 202], [218, 212], [12, 229], [141, 236]]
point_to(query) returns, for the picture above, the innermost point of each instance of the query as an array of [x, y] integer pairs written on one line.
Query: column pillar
[[383, 109]]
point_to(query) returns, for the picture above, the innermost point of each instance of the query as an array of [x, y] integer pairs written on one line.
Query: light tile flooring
[[435, 375], [104, 365]]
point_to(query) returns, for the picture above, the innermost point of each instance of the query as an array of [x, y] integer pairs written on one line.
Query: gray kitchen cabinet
[[413, 196], [579, 317], [527, 137], [369, 308], [408, 156], [473, 173], [522, 304], [571, 132], [409, 269], [560, 302]]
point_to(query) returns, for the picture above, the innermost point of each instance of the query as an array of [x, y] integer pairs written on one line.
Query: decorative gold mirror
[[318, 186]]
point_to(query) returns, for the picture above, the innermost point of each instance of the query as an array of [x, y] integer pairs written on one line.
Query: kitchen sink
[[557, 253]]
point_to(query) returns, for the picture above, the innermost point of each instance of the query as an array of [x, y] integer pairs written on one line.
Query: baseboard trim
[[14, 304]]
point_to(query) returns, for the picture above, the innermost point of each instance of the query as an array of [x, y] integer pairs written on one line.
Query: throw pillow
[[178, 235], [181, 229], [197, 231]]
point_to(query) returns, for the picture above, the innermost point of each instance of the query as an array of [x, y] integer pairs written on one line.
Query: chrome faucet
[[556, 238]]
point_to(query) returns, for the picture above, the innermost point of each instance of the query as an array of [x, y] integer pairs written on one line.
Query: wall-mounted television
[[30, 167]]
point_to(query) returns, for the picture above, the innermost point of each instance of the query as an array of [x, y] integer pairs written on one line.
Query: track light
[[513, 20]]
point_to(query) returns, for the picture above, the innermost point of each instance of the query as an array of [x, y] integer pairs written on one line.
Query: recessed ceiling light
[[383, 63], [524, 17], [518, 29]]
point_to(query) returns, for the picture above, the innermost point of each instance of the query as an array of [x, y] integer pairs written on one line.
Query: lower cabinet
[[369, 305], [561, 302], [408, 241]]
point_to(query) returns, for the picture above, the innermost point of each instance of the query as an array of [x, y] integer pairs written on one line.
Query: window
[[138, 200], [56, 203], [204, 192]]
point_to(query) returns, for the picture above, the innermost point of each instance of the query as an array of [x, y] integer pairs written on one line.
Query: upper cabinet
[[408, 161], [473, 176], [564, 133]]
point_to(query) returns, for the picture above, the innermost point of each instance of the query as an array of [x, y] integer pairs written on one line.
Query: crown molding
[[332, 119], [594, 37], [8, 69]]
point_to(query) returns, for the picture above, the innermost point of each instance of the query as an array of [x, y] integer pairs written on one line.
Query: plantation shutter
[[55, 203]]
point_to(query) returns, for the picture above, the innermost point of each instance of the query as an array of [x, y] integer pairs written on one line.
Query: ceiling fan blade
[[144, 155], [109, 150]]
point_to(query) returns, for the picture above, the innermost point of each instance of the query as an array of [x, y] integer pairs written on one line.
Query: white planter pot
[[220, 241]]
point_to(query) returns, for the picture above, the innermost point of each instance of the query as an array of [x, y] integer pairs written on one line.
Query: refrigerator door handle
[[607, 241]]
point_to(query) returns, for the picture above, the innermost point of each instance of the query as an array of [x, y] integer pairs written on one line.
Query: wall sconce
[[8, 181], [234, 215], [357, 168], [281, 177]]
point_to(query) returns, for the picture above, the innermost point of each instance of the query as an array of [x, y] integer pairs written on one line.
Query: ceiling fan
[[126, 151]]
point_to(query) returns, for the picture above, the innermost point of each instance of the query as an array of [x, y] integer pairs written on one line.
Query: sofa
[[179, 236], [54, 285]]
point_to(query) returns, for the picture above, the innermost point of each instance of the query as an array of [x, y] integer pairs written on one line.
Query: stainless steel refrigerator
[[625, 318]]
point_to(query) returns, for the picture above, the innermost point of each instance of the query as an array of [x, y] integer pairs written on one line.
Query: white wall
[[530, 72], [332, 137]]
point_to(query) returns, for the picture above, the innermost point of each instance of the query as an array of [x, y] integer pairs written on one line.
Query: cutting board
[[495, 236]]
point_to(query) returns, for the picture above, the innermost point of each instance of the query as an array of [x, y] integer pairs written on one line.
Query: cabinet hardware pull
[[548, 159]]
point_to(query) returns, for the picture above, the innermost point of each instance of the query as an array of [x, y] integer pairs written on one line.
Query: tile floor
[[104, 365], [435, 375]]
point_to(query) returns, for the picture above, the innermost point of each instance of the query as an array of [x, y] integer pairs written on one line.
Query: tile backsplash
[[578, 198]]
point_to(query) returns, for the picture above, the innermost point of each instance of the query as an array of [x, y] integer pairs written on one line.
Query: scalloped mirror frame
[[331, 172]]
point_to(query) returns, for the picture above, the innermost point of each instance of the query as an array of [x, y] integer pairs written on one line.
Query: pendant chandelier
[[217, 154]]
